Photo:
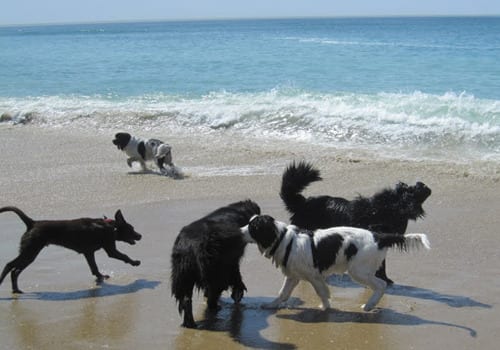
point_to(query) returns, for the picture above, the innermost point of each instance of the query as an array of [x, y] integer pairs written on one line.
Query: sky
[[71, 11]]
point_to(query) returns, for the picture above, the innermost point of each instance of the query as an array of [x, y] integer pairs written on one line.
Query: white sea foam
[[411, 125]]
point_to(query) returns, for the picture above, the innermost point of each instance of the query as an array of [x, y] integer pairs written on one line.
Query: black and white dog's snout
[[246, 235]]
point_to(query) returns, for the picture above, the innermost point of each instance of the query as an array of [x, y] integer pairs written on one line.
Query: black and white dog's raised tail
[[313, 255]]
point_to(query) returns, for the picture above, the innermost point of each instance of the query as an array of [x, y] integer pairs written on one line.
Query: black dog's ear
[[401, 187], [119, 216]]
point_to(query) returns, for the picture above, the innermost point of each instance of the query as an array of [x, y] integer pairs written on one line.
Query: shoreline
[[60, 158], [440, 297]]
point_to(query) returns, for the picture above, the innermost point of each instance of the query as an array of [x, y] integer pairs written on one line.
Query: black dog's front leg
[[93, 267], [114, 253], [186, 306], [238, 287]]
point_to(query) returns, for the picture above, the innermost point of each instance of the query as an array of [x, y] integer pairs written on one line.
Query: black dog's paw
[[237, 294], [101, 278], [135, 263]]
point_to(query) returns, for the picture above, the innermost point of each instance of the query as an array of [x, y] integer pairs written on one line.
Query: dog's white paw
[[367, 307], [324, 307]]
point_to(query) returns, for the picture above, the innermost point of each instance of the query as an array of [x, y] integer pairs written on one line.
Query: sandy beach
[[447, 297]]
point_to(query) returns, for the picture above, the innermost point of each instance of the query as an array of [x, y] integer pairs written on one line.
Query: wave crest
[[423, 124]]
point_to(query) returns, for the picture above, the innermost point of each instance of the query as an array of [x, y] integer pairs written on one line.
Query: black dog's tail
[[296, 178], [183, 278], [409, 241], [29, 222]]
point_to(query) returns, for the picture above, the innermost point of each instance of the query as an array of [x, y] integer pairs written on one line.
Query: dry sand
[[447, 297]]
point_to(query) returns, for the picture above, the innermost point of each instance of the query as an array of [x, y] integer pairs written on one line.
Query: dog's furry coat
[[206, 255], [312, 256], [388, 211], [84, 236], [143, 150]]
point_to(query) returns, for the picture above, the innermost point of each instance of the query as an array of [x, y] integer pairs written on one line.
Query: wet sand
[[447, 297]]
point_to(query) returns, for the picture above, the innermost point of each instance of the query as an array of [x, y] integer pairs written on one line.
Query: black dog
[[84, 236], [388, 211], [207, 254]]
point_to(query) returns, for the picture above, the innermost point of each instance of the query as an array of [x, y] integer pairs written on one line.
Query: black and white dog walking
[[388, 210], [143, 150], [314, 255]]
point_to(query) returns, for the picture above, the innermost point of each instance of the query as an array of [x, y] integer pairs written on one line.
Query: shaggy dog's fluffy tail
[[409, 241], [25, 218], [296, 178]]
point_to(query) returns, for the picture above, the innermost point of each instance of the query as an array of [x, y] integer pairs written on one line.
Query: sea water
[[409, 88]]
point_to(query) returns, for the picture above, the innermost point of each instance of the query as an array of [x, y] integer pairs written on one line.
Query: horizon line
[[208, 19]]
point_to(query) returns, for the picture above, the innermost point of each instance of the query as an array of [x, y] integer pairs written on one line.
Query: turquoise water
[[404, 87]]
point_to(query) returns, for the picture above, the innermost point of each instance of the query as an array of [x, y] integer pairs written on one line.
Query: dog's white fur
[[300, 264], [154, 150]]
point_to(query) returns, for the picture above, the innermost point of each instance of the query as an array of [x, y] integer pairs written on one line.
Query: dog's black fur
[[387, 211], [142, 150], [207, 254], [84, 235]]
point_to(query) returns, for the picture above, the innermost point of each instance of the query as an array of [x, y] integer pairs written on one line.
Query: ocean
[[423, 88]]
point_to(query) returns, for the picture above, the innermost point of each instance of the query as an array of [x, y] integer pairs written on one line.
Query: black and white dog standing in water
[[314, 255], [143, 150]]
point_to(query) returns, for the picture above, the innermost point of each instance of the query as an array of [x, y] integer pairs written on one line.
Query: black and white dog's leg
[[160, 163], [322, 290], [374, 283], [286, 290], [135, 159]]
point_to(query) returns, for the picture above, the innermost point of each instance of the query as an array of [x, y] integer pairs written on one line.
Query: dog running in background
[[387, 211], [84, 235], [314, 255], [206, 255], [144, 150]]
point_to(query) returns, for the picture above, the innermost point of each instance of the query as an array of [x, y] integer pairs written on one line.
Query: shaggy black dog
[[388, 211], [84, 236], [207, 254]]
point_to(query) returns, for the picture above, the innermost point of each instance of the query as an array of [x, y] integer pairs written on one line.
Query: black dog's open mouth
[[132, 241]]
